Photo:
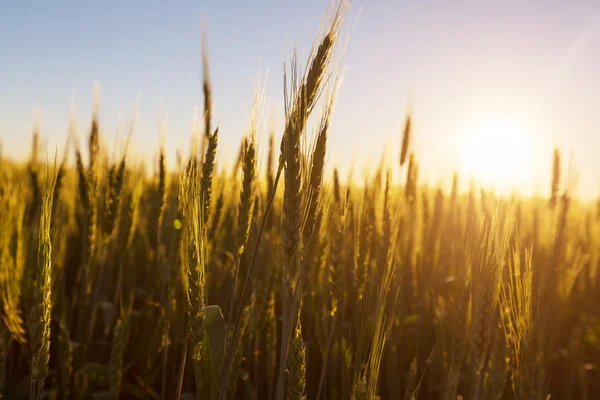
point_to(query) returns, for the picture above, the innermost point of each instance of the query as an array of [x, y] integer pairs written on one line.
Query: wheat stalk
[[39, 321]]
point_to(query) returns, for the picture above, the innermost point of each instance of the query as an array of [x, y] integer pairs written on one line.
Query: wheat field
[[193, 282]]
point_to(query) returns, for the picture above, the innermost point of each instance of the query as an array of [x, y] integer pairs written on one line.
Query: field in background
[[220, 285]]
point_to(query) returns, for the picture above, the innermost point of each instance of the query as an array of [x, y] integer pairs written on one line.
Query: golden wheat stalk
[[39, 321]]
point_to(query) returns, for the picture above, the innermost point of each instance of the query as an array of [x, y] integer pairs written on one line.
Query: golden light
[[498, 153]]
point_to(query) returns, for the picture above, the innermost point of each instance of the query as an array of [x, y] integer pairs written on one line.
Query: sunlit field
[[279, 278]]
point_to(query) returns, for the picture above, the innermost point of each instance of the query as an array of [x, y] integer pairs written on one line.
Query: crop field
[[280, 280]]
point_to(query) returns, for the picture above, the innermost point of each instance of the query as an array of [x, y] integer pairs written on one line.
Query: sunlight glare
[[498, 153]]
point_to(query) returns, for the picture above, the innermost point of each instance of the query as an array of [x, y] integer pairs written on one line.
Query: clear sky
[[531, 62]]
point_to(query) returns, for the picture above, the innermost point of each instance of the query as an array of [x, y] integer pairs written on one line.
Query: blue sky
[[530, 61]]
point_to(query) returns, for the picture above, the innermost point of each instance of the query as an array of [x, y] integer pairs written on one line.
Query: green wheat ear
[[119, 342], [295, 372]]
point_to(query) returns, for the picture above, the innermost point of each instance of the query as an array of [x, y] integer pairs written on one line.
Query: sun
[[497, 153]]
